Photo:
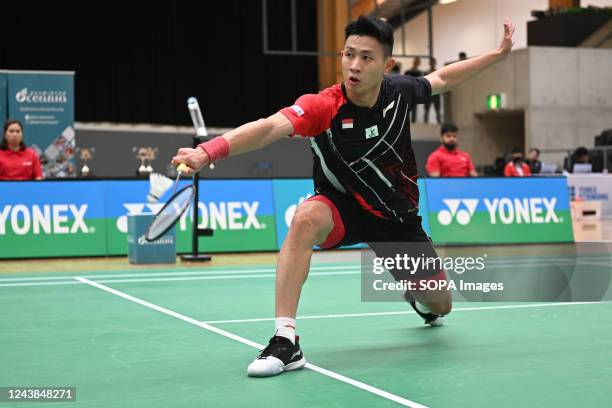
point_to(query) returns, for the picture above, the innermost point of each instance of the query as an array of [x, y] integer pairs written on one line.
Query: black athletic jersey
[[365, 152]]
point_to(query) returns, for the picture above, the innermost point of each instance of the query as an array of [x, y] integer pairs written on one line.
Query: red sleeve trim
[[312, 114]]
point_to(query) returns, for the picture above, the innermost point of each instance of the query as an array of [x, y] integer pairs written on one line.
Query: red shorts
[[353, 225]]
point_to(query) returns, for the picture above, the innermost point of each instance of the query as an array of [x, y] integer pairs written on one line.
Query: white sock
[[285, 327]]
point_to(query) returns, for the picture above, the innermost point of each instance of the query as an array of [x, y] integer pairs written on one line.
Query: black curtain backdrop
[[139, 61]]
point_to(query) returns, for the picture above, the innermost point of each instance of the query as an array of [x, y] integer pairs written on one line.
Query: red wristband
[[216, 149]]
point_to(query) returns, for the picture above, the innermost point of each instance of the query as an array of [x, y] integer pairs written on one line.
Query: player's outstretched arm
[[250, 136], [446, 78]]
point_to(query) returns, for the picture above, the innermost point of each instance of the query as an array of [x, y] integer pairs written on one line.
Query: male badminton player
[[364, 172]]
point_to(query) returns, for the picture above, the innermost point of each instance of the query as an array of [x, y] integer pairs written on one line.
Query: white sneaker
[[280, 355]]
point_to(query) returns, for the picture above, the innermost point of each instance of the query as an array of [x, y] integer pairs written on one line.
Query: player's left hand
[[506, 43]]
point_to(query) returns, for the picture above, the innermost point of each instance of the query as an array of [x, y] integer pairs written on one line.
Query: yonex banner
[[509, 210], [43, 101], [240, 211], [55, 218], [81, 218]]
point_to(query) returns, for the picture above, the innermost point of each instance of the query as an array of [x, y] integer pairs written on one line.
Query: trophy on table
[[86, 154], [145, 155]]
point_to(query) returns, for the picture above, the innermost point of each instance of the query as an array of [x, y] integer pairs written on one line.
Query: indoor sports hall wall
[[89, 218], [471, 26]]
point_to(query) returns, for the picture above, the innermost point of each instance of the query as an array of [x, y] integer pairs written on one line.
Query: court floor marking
[[496, 263], [405, 312], [224, 333], [189, 278], [225, 274], [186, 273]]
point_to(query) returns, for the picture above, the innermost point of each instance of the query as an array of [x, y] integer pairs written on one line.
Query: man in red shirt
[[17, 162], [447, 160]]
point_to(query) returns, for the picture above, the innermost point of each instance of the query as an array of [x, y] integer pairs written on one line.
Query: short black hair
[[4, 143], [581, 151], [372, 27], [448, 127], [535, 149]]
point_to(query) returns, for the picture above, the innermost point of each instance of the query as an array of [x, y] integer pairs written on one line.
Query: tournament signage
[[592, 187], [43, 101], [49, 219], [510, 210], [240, 212], [82, 218]]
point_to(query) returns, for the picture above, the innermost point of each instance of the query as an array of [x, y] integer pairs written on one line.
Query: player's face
[[363, 63], [14, 134]]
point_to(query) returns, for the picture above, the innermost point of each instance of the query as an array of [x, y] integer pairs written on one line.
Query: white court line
[[496, 264], [189, 278], [404, 312], [110, 278], [202, 272], [331, 374], [67, 280]]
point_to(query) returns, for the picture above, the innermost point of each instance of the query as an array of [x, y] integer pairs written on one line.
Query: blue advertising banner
[[423, 209], [288, 195], [43, 101], [240, 211], [83, 218], [52, 219], [499, 210]]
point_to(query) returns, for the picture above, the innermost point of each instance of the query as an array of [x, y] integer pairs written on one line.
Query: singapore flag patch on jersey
[[347, 123]]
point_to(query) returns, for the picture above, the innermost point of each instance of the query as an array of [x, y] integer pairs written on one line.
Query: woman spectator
[[517, 167], [17, 162]]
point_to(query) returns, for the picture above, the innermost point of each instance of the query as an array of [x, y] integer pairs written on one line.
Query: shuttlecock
[[159, 185]]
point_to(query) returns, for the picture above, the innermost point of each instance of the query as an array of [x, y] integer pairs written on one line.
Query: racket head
[[170, 213]]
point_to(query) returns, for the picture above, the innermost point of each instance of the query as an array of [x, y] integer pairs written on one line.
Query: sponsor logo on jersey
[[371, 132]]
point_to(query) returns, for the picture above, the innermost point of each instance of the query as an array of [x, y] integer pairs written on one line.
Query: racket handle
[[181, 168]]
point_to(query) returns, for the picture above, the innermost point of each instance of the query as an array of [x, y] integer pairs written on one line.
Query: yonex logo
[[44, 219], [463, 215], [230, 215], [533, 210]]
